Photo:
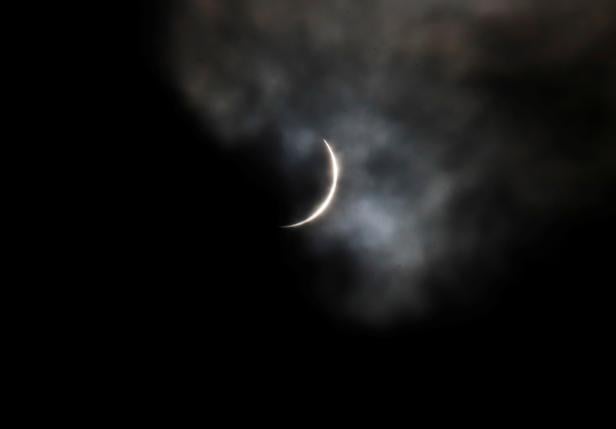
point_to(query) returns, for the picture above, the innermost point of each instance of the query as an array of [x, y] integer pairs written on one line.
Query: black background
[[185, 270]]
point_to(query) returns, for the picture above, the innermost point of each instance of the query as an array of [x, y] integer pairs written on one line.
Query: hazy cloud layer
[[452, 119]]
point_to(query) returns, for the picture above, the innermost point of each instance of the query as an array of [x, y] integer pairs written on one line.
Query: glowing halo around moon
[[330, 195]]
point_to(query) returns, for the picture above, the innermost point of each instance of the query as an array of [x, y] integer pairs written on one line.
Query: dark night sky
[[201, 260]]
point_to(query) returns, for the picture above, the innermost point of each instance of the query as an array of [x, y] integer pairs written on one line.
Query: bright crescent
[[330, 196]]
